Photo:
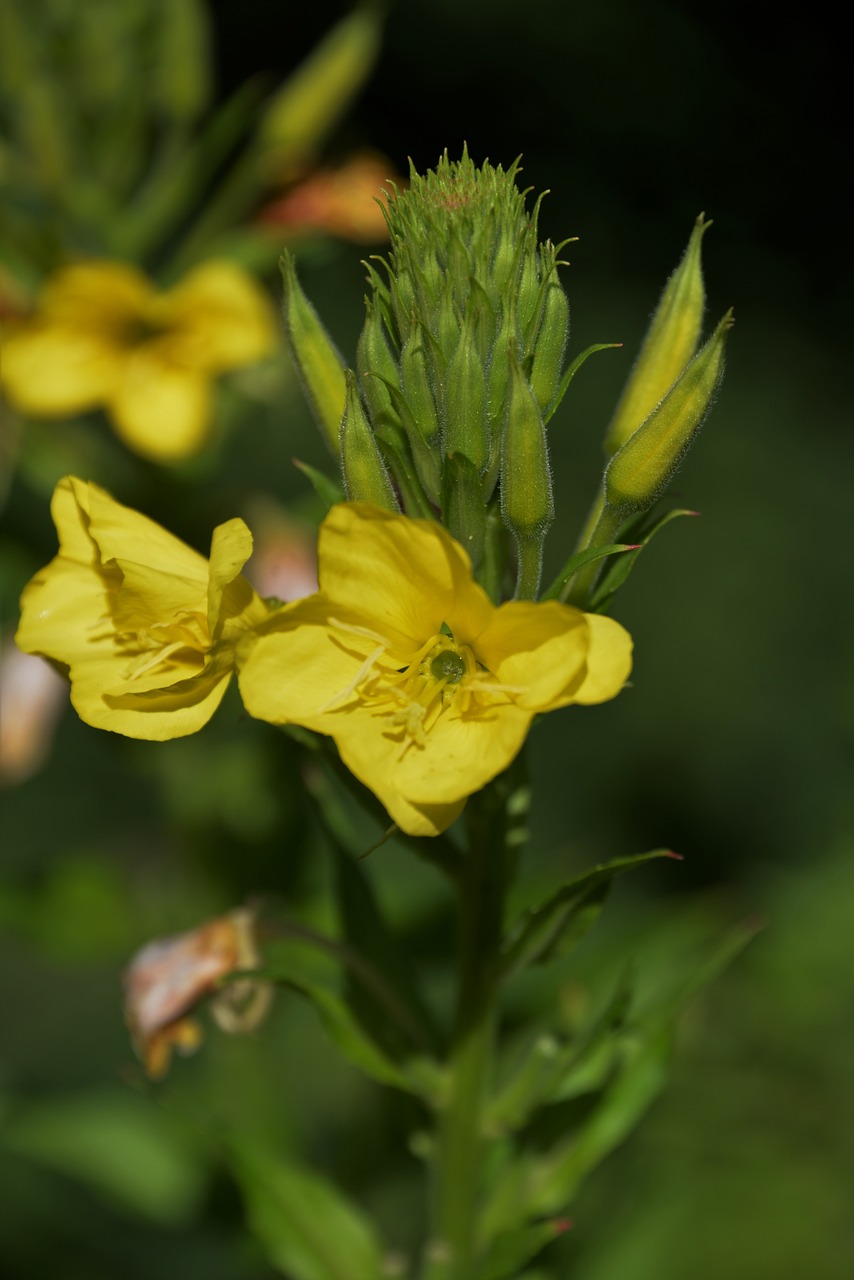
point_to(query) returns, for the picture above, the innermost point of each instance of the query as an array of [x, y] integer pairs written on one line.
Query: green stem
[[459, 1158], [601, 534]]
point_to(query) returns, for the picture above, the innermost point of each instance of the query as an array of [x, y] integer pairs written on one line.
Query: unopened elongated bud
[[670, 343], [416, 382], [373, 358], [466, 428], [320, 367], [550, 345], [642, 468], [365, 476], [527, 504]]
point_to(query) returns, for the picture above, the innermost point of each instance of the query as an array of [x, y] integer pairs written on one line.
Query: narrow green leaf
[[641, 531], [512, 1249], [572, 910], [577, 561], [573, 370], [328, 491]]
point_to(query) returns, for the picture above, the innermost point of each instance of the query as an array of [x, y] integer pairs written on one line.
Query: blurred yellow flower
[[427, 688], [102, 336], [145, 626]]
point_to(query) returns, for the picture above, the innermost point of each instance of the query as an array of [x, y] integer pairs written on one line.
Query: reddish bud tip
[[677, 857], [560, 1225]]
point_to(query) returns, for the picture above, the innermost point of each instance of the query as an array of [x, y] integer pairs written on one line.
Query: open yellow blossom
[[427, 687], [102, 336], [145, 626]]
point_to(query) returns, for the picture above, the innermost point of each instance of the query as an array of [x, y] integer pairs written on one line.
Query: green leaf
[[641, 530], [577, 561], [563, 920], [573, 370], [328, 491], [512, 1249], [308, 1230]]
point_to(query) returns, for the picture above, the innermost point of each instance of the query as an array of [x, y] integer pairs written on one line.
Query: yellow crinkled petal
[[609, 662], [150, 597], [296, 665], [161, 408], [54, 370], [225, 317], [233, 607], [155, 715], [460, 754], [404, 577], [538, 650], [60, 611], [69, 509], [121, 533], [103, 295]]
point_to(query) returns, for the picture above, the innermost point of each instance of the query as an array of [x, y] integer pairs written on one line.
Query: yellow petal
[[161, 409], [60, 609], [538, 650], [101, 295], [155, 715], [233, 606], [224, 317], [54, 370], [296, 665], [121, 533], [404, 577], [609, 662]]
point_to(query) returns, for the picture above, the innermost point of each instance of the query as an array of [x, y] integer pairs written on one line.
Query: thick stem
[[459, 1156]]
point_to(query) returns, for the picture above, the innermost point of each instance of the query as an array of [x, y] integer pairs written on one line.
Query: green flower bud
[[320, 368], [527, 505], [670, 343], [643, 467], [365, 476], [373, 358], [550, 344], [466, 429], [463, 508], [417, 381]]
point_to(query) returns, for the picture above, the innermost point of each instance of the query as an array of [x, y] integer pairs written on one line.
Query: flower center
[[180, 642], [414, 689]]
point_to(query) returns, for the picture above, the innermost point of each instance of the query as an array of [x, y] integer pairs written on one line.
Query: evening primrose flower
[[427, 687], [102, 336], [145, 626]]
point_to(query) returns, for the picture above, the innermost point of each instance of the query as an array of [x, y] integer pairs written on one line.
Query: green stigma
[[448, 665]]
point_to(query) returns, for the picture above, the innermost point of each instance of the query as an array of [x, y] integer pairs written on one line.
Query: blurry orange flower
[[103, 336], [339, 202], [170, 976]]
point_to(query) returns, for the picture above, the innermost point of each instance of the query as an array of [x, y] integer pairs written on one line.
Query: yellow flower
[[103, 336], [427, 687], [145, 626]]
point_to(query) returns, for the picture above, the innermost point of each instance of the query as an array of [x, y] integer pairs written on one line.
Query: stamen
[[360, 675]]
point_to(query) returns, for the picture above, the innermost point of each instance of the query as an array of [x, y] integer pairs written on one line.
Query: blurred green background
[[734, 745]]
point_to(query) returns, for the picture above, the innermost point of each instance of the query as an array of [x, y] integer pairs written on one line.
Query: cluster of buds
[[460, 366]]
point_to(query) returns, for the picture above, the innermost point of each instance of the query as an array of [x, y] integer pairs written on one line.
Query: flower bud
[[670, 343], [365, 476], [466, 429], [527, 505], [416, 379], [377, 368], [550, 344], [643, 467], [320, 367]]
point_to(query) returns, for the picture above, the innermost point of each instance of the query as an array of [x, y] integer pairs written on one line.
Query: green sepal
[[642, 529], [576, 562], [362, 467], [320, 367], [328, 490], [567, 915], [512, 1249], [573, 370], [305, 1226], [394, 447], [463, 508], [425, 458]]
